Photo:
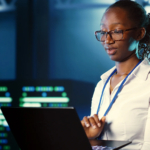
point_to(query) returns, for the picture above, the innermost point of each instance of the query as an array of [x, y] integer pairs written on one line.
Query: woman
[[121, 101]]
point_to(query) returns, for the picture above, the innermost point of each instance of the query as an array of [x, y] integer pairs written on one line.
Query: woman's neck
[[125, 67]]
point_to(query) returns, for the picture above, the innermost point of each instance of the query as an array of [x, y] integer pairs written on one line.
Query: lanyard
[[120, 87]]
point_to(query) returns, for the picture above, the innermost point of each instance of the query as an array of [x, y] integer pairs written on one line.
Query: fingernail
[[94, 127], [87, 125], [99, 124]]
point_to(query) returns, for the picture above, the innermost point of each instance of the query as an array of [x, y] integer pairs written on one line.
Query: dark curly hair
[[137, 14]]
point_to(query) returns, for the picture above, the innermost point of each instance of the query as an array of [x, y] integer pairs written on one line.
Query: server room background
[[49, 56]]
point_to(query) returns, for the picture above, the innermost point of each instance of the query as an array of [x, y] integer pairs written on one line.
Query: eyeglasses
[[116, 35]]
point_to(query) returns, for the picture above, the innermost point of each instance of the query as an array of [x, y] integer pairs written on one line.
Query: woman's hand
[[93, 126]]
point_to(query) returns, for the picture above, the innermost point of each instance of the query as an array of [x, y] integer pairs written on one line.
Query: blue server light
[[3, 141], [59, 88], [28, 88], [50, 105], [59, 105], [7, 128], [44, 94], [7, 94], [9, 104]]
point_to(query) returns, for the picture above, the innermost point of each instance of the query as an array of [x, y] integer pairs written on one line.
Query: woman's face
[[117, 19]]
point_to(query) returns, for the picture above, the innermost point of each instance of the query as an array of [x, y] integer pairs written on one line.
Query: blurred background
[[49, 56]]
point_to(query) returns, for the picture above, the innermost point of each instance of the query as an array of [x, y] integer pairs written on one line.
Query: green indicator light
[[31, 105], [24, 94], [55, 89], [5, 99], [37, 89], [3, 88], [21, 99], [64, 94], [1, 123], [5, 135], [2, 117], [55, 105], [43, 88], [45, 99], [44, 105], [51, 88], [64, 105], [2, 128], [21, 104], [6, 147]]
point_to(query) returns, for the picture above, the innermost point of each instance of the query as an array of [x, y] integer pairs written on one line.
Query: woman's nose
[[109, 39]]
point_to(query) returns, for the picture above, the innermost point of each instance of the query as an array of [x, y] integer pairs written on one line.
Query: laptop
[[50, 129]]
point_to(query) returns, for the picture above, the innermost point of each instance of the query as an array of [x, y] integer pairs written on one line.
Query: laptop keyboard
[[101, 148]]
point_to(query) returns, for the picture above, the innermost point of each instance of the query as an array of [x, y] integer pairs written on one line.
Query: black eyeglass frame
[[110, 32]]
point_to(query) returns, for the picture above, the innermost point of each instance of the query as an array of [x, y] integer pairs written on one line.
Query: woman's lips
[[111, 51]]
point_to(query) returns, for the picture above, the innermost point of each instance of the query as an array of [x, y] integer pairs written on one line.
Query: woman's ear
[[141, 33]]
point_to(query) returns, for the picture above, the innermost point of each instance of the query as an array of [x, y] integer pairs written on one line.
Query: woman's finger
[[97, 120], [93, 122], [82, 123], [103, 122], [86, 121]]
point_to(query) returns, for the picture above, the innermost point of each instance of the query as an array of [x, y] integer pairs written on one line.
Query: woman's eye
[[118, 31], [103, 32]]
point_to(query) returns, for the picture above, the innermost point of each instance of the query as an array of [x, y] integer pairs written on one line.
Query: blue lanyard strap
[[120, 87]]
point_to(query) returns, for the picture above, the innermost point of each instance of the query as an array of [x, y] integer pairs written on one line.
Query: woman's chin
[[113, 58]]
